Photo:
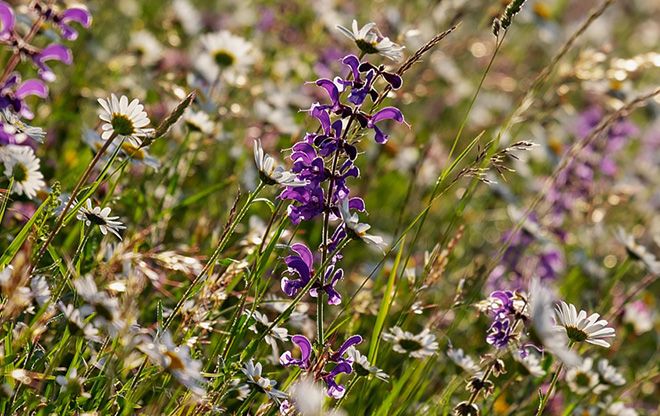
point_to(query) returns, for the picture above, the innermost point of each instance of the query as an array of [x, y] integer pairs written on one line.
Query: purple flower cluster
[[503, 313], [575, 183], [14, 90], [339, 363], [325, 161]]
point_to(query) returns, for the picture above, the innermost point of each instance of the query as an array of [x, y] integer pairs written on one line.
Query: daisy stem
[[74, 193], [544, 399]]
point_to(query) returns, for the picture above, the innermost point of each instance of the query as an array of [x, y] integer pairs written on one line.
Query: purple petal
[[387, 113], [330, 88], [77, 14], [304, 253], [380, 136], [357, 204], [7, 20], [354, 340], [32, 87], [56, 52], [305, 346], [354, 63]]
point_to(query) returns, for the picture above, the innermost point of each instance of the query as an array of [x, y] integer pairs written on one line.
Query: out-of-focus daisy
[[127, 148], [582, 328], [464, 361], [19, 129], [370, 41], [581, 379], [253, 373], [123, 119], [40, 289], [177, 361], [639, 315], [261, 324], [638, 251], [543, 328], [225, 56], [101, 217], [146, 46], [531, 364], [359, 230], [609, 375], [72, 384], [272, 174], [198, 121], [22, 165], [417, 346], [76, 324], [620, 409], [106, 307], [362, 366]]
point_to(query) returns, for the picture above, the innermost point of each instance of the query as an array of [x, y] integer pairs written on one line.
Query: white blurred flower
[[225, 56], [371, 41], [417, 346], [272, 174], [21, 164], [581, 379]]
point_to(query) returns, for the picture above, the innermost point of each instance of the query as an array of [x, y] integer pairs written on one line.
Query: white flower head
[[124, 119], [146, 45], [371, 41], [620, 409], [531, 364], [101, 217], [541, 315], [362, 366], [359, 230], [22, 165], [417, 346], [253, 373], [579, 327], [609, 375], [199, 121], [581, 379], [177, 361], [20, 130], [272, 174], [225, 56], [464, 361]]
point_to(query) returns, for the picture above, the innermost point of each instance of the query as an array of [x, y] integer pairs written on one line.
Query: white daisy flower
[[464, 361], [253, 373], [106, 307], [609, 375], [639, 315], [147, 47], [358, 230], [177, 361], [76, 324], [362, 366], [370, 41], [261, 323], [123, 119], [72, 384], [417, 346], [20, 130], [101, 217], [40, 289], [225, 56], [199, 121], [21, 164], [531, 364], [272, 174], [543, 327], [581, 379], [582, 328], [620, 409], [638, 252]]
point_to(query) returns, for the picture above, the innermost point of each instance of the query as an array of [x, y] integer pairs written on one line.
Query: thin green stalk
[[74, 193]]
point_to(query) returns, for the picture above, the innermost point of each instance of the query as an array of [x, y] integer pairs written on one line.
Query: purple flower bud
[[53, 52]]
